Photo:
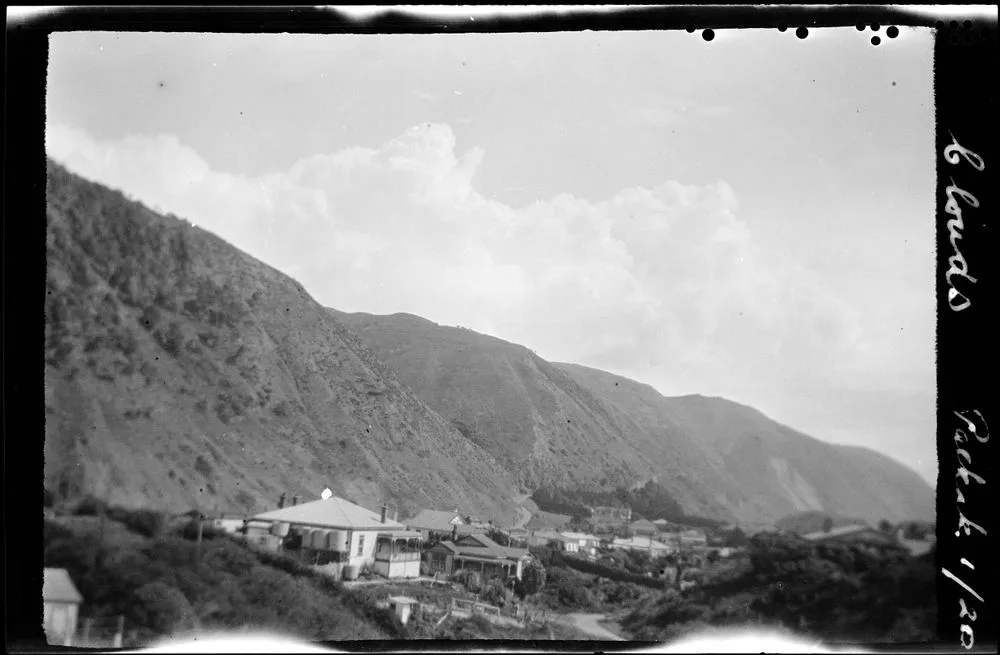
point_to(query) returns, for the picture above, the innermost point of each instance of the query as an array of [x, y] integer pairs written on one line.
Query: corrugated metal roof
[[433, 519], [638, 542], [334, 512], [58, 587]]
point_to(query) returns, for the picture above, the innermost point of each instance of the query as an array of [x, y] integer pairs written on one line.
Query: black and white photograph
[[532, 337]]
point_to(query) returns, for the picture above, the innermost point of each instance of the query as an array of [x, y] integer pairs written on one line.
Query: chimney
[[295, 501], [385, 511], [395, 513], [281, 501]]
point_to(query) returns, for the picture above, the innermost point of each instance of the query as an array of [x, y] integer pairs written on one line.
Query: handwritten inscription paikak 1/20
[[954, 154], [978, 429]]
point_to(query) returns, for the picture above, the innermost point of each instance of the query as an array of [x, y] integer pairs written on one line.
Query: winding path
[[588, 623]]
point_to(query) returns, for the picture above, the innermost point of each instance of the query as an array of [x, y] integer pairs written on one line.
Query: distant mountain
[[778, 470], [536, 417], [181, 372], [577, 427]]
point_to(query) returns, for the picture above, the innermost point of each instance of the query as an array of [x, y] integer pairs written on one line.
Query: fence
[[100, 632]]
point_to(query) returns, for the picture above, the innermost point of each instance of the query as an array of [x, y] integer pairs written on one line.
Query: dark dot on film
[[861, 27], [708, 35], [967, 24], [782, 27], [892, 32], [953, 24], [876, 40], [690, 29], [939, 25], [875, 27], [802, 32]]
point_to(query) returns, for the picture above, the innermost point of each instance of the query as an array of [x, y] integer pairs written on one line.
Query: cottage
[[647, 544], [339, 538], [477, 552], [436, 524], [549, 538], [643, 527], [609, 518], [584, 543], [61, 606], [230, 523], [693, 537]]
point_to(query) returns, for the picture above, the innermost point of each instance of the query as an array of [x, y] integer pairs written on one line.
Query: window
[[361, 544]]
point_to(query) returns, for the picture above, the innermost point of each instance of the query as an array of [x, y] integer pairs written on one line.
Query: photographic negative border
[[965, 60]]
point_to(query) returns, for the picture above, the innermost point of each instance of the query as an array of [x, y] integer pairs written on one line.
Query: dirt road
[[588, 623], [523, 515]]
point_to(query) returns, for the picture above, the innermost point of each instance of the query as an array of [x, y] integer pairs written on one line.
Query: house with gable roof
[[339, 538], [477, 552], [60, 607], [436, 524]]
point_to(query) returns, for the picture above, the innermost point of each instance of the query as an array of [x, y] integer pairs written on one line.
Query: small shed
[[402, 606], [61, 601]]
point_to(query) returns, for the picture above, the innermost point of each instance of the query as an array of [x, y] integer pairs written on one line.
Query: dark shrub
[[147, 522], [161, 608], [89, 506]]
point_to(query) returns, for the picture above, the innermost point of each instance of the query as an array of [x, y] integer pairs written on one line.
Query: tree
[[532, 578], [827, 524], [498, 536], [885, 526], [162, 608]]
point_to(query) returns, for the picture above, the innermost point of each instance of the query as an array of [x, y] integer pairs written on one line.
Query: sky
[[750, 217]]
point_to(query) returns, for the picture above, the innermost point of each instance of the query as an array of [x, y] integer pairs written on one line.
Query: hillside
[[536, 417], [181, 372], [779, 471], [578, 427]]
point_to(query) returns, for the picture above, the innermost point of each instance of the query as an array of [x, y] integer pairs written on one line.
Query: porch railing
[[398, 557]]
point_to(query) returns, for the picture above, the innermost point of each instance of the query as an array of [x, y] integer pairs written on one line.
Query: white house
[[339, 538], [584, 543], [647, 544], [61, 606]]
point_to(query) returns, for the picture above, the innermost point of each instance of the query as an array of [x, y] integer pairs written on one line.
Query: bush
[[90, 506], [147, 522], [469, 579], [532, 579], [163, 609], [495, 593]]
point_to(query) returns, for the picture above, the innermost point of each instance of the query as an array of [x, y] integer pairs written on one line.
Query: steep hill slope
[[582, 428], [778, 470], [182, 372], [536, 417]]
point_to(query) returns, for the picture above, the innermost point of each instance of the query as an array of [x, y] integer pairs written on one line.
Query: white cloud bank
[[665, 284]]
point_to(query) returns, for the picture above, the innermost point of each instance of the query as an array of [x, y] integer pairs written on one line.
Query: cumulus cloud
[[666, 278]]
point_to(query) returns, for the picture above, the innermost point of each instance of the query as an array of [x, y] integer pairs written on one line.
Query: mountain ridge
[[720, 458], [182, 372]]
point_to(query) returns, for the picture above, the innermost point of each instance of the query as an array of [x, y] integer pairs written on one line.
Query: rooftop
[[333, 512], [839, 532], [434, 519], [58, 587]]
